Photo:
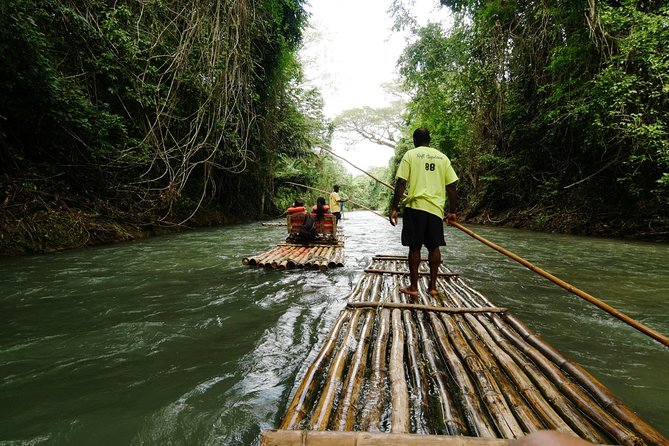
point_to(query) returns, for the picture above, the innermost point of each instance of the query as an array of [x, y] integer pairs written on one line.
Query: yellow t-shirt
[[335, 206], [427, 172]]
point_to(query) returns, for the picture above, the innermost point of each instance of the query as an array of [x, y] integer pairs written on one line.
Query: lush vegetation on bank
[[556, 113], [118, 119]]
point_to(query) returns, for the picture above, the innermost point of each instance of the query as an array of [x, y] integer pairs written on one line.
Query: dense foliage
[[555, 113], [149, 111]]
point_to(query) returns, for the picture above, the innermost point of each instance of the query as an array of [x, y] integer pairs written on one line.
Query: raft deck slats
[[439, 367], [308, 256]]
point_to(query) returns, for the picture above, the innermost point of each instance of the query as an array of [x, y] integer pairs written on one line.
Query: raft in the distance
[[324, 252]]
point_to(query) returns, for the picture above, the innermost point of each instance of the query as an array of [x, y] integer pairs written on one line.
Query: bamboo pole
[[548, 388], [479, 424], [419, 398], [572, 289], [361, 170], [371, 413], [567, 387], [297, 408], [315, 438], [323, 410], [489, 391], [517, 376], [452, 419], [608, 400], [566, 410], [347, 409], [399, 417], [493, 362], [406, 273], [437, 309]]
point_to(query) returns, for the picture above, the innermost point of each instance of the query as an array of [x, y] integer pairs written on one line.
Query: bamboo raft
[[451, 370], [308, 256]]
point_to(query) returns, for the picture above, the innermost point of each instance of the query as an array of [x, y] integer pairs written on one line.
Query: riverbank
[[574, 222], [36, 221]]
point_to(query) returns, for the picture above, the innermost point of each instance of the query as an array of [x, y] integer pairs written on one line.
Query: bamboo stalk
[[479, 424], [565, 409], [403, 306], [406, 273], [576, 395], [517, 379], [419, 400], [347, 410], [298, 406], [452, 419], [493, 361], [563, 405], [490, 392], [315, 438], [371, 413], [399, 418], [321, 415], [609, 401], [572, 289]]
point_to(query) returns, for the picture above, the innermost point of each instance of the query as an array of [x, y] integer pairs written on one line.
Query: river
[[172, 341]]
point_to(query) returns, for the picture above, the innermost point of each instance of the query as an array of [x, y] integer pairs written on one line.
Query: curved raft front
[[443, 371]]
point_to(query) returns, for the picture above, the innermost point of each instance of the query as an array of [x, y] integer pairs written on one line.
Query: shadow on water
[[172, 341]]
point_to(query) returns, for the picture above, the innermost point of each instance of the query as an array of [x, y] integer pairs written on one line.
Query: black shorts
[[422, 228]]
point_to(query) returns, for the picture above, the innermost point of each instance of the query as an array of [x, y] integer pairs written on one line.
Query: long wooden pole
[[361, 170], [326, 192], [572, 289]]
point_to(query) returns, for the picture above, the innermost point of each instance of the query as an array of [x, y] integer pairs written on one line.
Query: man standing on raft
[[430, 177]]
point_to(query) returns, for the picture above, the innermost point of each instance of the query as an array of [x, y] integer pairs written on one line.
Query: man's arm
[[400, 187], [452, 193]]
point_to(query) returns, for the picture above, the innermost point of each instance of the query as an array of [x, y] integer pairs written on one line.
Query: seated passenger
[[297, 208]]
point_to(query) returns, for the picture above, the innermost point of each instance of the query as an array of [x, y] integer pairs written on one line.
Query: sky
[[349, 53]]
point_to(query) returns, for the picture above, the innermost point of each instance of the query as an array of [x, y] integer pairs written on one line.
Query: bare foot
[[433, 292], [409, 291]]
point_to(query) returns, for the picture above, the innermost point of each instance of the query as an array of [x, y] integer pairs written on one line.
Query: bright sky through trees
[[349, 53]]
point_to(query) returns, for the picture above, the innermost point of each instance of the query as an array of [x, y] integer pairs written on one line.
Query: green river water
[[172, 341]]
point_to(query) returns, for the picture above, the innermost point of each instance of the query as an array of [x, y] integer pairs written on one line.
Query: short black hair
[[421, 137], [336, 188]]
